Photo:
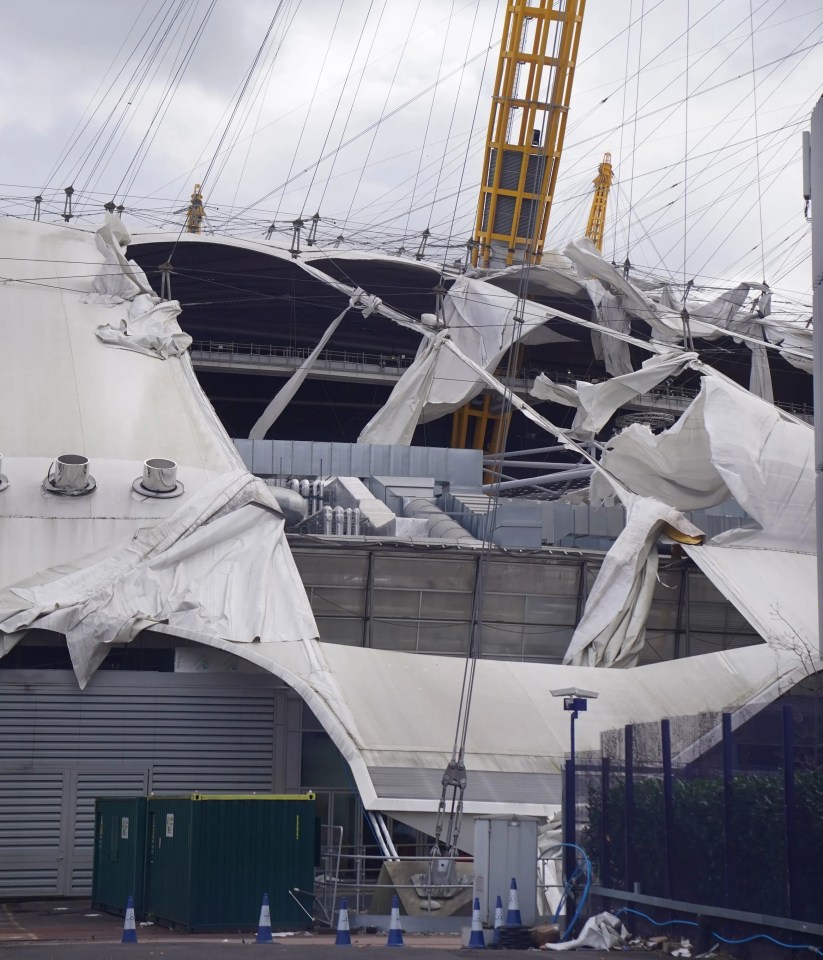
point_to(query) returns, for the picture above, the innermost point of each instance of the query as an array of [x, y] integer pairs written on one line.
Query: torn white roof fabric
[[598, 402], [102, 566], [483, 322], [395, 422]]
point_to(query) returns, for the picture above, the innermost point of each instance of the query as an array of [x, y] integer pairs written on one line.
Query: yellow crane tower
[[596, 226], [527, 125]]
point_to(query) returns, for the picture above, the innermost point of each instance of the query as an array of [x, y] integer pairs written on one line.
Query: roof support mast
[[527, 125], [596, 227]]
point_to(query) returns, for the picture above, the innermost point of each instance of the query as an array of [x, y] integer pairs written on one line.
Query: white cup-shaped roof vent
[[4, 480], [69, 476], [159, 479]]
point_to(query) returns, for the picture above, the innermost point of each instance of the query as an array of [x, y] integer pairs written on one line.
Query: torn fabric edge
[[216, 566], [150, 327], [597, 403]]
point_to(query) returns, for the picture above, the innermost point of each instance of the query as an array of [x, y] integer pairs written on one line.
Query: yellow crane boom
[[527, 125]]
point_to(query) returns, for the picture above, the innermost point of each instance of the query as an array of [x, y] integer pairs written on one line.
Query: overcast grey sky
[[332, 68]]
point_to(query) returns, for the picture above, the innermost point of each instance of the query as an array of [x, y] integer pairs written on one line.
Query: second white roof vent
[[159, 479]]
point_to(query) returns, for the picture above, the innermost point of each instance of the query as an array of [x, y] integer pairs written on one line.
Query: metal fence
[[693, 810]]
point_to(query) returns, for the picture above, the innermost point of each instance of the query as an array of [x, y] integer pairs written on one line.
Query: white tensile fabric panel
[[81, 396], [286, 393], [395, 422], [608, 311], [481, 320], [775, 590], [598, 402], [674, 466], [219, 566], [727, 443], [612, 630], [389, 709]]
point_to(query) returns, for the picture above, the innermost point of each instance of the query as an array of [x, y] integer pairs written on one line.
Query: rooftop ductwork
[[159, 480], [292, 505], [69, 476], [441, 525]]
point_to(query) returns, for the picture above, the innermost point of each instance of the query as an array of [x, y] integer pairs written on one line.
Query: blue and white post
[[513, 918], [476, 940], [343, 938]]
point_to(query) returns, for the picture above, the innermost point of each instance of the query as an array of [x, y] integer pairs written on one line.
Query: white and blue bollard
[[264, 924], [395, 938], [513, 918], [476, 940], [129, 929], [343, 938]]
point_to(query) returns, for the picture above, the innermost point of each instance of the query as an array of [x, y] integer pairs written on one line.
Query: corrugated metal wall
[[127, 733]]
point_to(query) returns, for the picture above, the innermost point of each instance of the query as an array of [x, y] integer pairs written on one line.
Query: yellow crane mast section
[[596, 227], [527, 125]]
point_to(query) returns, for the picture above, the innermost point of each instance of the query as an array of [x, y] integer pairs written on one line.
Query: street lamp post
[[575, 701]]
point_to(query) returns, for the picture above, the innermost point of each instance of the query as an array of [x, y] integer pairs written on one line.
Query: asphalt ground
[[72, 930]]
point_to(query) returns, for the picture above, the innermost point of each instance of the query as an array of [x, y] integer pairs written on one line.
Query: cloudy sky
[[700, 102]]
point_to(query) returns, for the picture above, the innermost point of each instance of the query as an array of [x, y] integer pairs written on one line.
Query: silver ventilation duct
[[69, 476], [159, 479]]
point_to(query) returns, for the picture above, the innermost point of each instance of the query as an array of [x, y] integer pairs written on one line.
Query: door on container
[[33, 831], [84, 788]]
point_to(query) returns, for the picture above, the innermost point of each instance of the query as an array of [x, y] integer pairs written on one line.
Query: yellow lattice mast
[[196, 212], [527, 124], [596, 226]]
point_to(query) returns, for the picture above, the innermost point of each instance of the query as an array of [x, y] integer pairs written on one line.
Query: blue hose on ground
[[568, 886], [755, 936]]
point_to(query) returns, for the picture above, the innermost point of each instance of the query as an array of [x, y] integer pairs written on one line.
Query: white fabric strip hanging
[[285, 394]]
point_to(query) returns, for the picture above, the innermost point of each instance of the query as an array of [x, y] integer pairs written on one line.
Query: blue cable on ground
[[567, 890], [755, 936]]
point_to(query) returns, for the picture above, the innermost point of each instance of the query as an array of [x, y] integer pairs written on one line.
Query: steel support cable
[[382, 112], [172, 85], [362, 133], [468, 152], [354, 97], [634, 129], [431, 107], [238, 101], [733, 132], [713, 204], [262, 96], [78, 130], [335, 153], [135, 103], [454, 110], [302, 107], [707, 205], [133, 90], [470, 668], [311, 103], [757, 150], [728, 235], [603, 134], [619, 163], [761, 149], [459, 149], [263, 75], [687, 334]]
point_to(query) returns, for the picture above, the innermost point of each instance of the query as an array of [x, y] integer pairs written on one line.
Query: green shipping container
[[211, 857], [119, 853]]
